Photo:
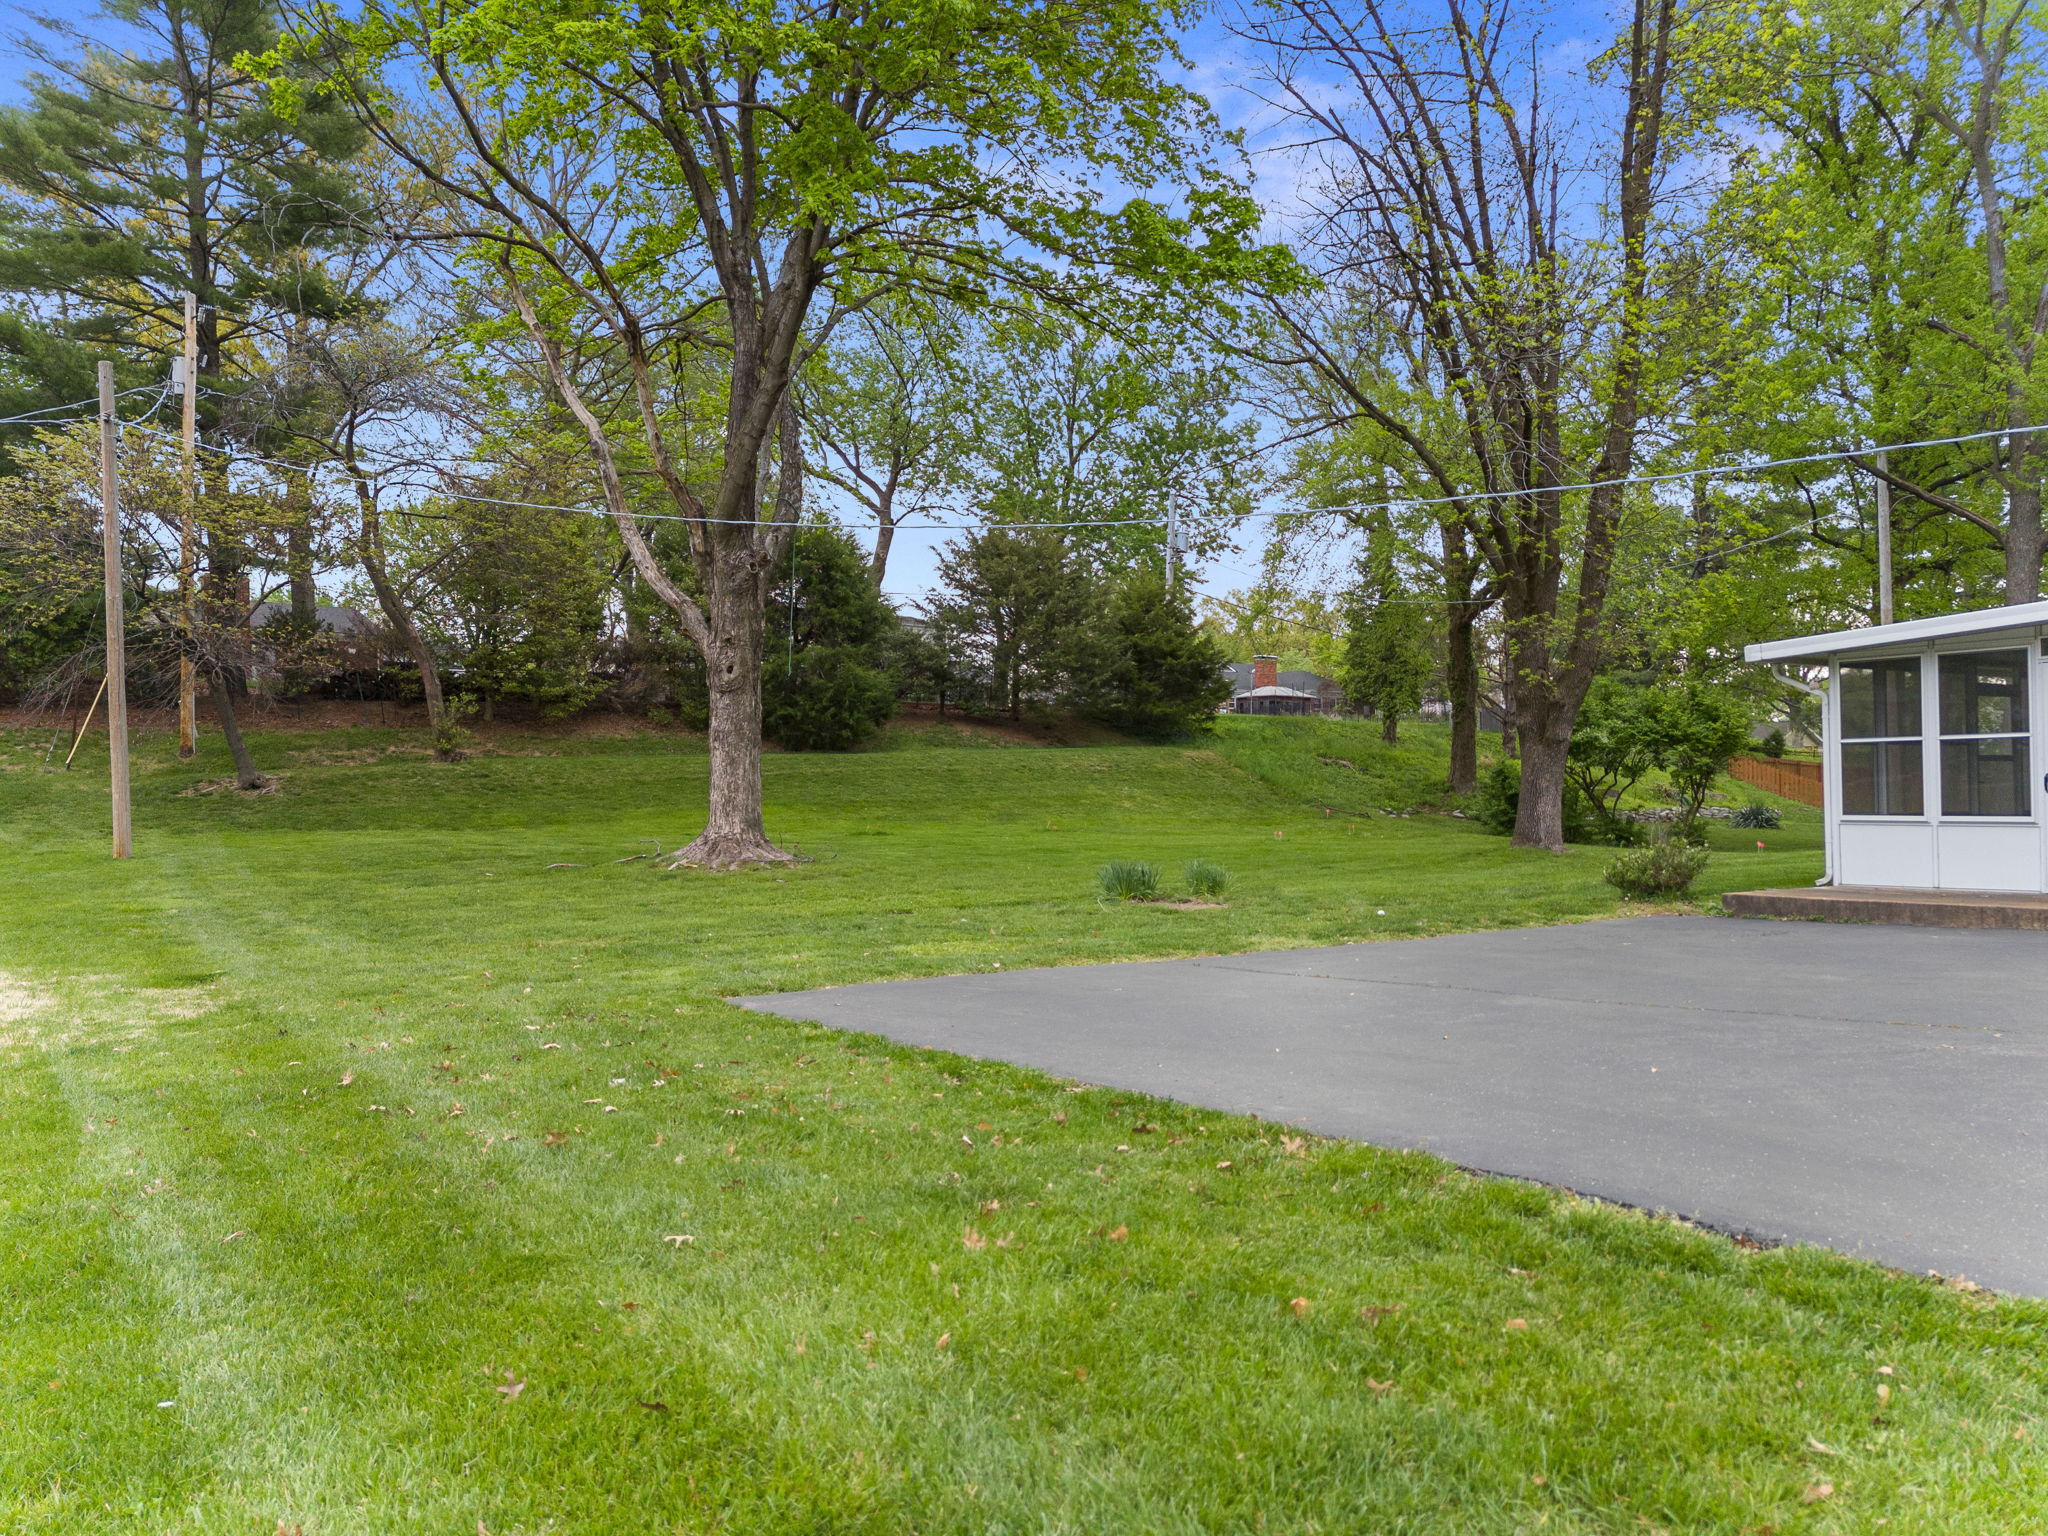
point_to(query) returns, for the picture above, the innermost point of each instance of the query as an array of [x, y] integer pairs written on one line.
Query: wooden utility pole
[[188, 702], [117, 652], [1884, 539]]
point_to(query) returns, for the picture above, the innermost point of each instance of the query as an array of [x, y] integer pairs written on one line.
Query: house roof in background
[[1275, 693], [1311, 683], [332, 617], [1877, 636]]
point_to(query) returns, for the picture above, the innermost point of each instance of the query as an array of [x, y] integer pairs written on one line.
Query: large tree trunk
[[885, 536], [1539, 818], [733, 832], [305, 597], [2023, 541]]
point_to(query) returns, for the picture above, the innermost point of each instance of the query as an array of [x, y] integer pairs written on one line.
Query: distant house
[[1259, 687], [331, 617]]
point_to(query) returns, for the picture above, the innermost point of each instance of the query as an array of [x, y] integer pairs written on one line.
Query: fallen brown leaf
[[1519, 1324], [1373, 1314], [944, 1340], [972, 1239], [1815, 1492], [511, 1387], [1299, 1306], [1121, 1234], [1379, 1387]]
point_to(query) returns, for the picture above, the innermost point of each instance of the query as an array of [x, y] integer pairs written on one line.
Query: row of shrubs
[[1134, 880]]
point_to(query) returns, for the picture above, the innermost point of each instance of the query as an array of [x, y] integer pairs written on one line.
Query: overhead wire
[[385, 478]]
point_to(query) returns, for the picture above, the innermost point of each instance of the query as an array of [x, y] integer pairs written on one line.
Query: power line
[[77, 405], [1669, 476], [1828, 456]]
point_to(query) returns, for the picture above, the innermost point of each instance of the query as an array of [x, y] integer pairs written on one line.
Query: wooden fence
[[1787, 776]]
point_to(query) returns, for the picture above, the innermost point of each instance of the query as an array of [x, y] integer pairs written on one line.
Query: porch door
[[1986, 768]]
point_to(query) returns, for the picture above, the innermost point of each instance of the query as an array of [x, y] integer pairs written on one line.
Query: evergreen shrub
[[1666, 868]]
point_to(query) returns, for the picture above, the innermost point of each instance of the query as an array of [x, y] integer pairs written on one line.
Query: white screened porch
[[1934, 745]]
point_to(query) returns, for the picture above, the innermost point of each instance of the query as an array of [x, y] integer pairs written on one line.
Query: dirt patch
[[19, 1006], [94, 1008], [269, 786], [17, 1001], [1185, 904]]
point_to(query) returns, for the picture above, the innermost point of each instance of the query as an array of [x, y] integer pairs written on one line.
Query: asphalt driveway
[[1878, 1090]]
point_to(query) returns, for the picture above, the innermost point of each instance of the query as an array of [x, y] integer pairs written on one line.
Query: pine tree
[[1159, 674], [828, 689], [136, 175], [1017, 606]]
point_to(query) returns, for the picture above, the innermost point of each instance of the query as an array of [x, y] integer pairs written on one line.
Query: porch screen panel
[[1984, 735], [1881, 772]]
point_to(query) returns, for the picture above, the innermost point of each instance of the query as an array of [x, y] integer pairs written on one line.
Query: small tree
[[1015, 606], [1703, 730], [520, 596], [829, 688], [1620, 736], [1387, 661], [1157, 673]]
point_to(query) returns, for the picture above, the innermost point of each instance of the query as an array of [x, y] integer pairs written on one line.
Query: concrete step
[[1894, 904]]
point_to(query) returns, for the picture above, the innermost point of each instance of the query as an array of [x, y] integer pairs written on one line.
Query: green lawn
[[359, 1173]]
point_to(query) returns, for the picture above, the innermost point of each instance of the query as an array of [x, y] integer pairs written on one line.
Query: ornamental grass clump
[[1665, 868], [1756, 814], [1207, 880], [1128, 880]]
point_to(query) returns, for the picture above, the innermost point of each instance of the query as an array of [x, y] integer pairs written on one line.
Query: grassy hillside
[[360, 1172]]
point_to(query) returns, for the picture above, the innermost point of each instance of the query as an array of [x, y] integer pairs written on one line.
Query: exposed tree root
[[728, 850]]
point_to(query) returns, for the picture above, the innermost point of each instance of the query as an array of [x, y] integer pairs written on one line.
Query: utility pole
[[117, 654], [188, 700], [1884, 539]]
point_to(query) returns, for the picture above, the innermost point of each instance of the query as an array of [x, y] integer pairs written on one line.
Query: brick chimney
[[1265, 671]]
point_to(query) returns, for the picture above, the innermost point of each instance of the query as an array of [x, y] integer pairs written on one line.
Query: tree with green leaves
[[1016, 608], [148, 162], [1620, 736], [886, 415], [650, 190], [515, 597], [1154, 671], [1387, 661], [1703, 728], [830, 687], [1071, 424], [1551, 340]]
